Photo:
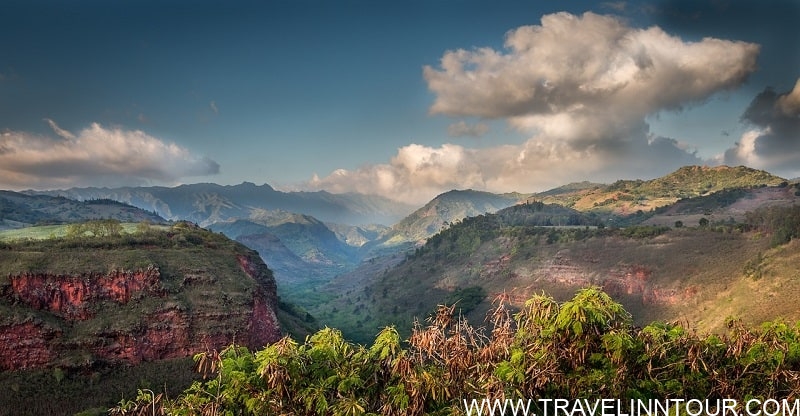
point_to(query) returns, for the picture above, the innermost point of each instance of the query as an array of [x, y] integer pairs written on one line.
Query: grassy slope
[[43, 232], [626, 197], [753, 299]]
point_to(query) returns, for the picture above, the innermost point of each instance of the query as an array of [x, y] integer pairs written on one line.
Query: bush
[[583, 348]]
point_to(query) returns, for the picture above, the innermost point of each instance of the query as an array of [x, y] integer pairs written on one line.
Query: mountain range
[[207, 203], [699, 245], [326, 250], [18, 210], [725, 245]]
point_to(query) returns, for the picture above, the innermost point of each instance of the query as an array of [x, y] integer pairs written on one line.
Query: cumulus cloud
[[581, 88], [463, 129], [585, 78], [417, 173], [95, 156], [773, 142], [789, 104]]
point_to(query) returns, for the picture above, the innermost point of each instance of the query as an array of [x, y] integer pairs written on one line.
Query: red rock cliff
[[132, 316], [71, 296]]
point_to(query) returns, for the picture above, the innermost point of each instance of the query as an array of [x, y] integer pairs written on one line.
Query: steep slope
[[729, 205], [206, 203], [306, 236], [356, 236], [18, 210], [444, 210], [96, 301], [381, 292], [290, 269], [303, 252], [308, 239]]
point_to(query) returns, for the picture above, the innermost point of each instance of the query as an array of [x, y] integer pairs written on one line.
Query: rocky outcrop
[[262, 325], [631, 279], [27, 345], [71, 296], [82, 320]]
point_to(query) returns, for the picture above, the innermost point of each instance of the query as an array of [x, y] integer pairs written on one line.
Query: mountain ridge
[[18, 210], [205, 203], [625, 197]]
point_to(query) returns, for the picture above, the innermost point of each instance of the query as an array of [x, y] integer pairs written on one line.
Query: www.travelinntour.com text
[[631, 407]]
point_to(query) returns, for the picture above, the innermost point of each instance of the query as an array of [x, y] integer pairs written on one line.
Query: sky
[[404, 99]]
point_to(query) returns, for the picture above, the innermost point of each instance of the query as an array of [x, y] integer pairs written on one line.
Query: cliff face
[[632, 280], [130, 316], [27, 345], [262, 324], [71, 297]]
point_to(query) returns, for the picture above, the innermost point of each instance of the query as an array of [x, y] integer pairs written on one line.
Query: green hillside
[[302, 251], [625, 197], [657, 272]]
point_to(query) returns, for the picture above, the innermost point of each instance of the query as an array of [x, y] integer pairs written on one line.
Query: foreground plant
[[583, 348]]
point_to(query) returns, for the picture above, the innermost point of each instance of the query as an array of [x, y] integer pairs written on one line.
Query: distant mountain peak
[[449, 207], [251, 185]]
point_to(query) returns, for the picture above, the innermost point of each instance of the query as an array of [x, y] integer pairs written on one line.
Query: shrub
[[583, 348]]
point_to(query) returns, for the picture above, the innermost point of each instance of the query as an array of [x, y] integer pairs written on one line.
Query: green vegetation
[[296, 321], [467, 299], [782, 223], [585, 347], [704, 203], [92, 391], [686, 271], [99, 228], [626, 197], [692, 181]]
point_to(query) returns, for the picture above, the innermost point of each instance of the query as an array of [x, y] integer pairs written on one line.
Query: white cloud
[[585, 78], [415, 173], [95, 156], [463, 129], [789, 103], [418, 173], [773, 142], [581, 87]]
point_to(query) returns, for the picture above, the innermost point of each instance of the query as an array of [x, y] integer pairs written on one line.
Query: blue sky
[[404, 99]]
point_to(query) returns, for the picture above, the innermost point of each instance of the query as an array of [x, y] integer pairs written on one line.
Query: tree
[[678, 224], [704, 222]]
